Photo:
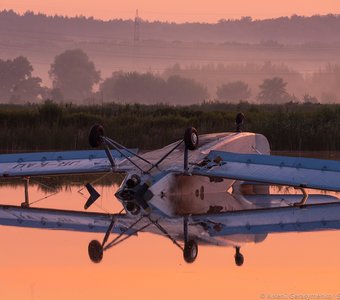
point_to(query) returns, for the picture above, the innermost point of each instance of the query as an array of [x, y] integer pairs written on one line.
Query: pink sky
[[175, 10]]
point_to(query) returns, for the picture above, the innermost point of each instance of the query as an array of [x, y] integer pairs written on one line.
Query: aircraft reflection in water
[[211, 189]]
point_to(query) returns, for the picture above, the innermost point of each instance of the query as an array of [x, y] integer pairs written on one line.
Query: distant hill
[[294, 29]]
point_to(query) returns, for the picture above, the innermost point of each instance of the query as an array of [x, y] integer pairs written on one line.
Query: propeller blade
[[94, 195]]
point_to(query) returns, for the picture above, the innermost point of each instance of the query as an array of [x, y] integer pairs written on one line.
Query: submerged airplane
[[210, 189]]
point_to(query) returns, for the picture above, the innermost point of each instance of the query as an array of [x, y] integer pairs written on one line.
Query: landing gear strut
[[239, 259], [96, 249]]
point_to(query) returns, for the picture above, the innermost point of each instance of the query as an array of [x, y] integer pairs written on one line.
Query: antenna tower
[[136, 28]]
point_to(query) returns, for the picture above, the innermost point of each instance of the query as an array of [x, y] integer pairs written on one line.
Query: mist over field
[[87, 61]]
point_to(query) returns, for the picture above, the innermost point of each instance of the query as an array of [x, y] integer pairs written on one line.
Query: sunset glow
[[54, 265], [177, 11]]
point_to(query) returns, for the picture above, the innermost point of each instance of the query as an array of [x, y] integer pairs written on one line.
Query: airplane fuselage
[[178, 193]]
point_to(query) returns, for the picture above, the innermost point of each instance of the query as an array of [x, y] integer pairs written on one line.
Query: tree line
[[246, 81], [294, 29], [75, 77], [52, 126]]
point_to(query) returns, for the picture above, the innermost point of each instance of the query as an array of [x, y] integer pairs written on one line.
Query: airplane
[[210, 189]]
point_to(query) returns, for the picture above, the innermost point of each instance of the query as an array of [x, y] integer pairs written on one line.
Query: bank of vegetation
[[51, 126]]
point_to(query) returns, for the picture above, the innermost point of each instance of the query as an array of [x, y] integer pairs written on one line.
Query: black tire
[[191, 138], [239, 118], [95, 250], [95, 136], [239, 259], [132, 208], [239, 122], [190, 251]]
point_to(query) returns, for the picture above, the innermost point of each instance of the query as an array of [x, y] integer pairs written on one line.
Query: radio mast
[[136, 31]]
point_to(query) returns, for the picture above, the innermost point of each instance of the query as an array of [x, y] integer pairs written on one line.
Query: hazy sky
[[175, 10]]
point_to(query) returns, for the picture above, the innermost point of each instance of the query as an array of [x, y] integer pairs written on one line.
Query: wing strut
[[108, 142], [26, 203], [96, 249], [118, 239], [165, 156], [127, 150], [165, 232], [304, 198]]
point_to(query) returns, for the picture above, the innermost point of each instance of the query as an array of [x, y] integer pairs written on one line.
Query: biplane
[[211, 189]]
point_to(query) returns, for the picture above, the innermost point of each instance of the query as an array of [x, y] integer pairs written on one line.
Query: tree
[[27, 90], [309, 99], [74, 74], [185, 91], [273, 91], [16, 81], [134, 87], [149, 88], [56, 95], [235, 91]]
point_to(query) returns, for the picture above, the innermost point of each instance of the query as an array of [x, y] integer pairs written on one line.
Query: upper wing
[[281, 170], [312, 217], [60, 163]]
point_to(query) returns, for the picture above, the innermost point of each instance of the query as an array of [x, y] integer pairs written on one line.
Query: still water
[[38, 264]]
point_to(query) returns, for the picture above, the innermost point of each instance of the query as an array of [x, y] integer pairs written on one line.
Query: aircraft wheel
[[239, 259], [191, 138], [190, 251], [95, 250], [96, 132], [132, 208]]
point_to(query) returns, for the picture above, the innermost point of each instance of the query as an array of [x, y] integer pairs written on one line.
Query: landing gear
[[95, 250], [239, 259], [95, 136], [190, 251], [132, 208], [191, 138], [239, 122], [191, 143]]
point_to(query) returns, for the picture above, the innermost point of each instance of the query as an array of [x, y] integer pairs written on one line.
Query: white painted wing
[[205, 227], [59, 163], [314, 217], [61, 219], [279, 170], [55, 219]]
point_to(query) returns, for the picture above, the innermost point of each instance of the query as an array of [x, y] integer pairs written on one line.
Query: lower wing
[[43, 218], [277, 170], [313, 217]]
